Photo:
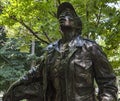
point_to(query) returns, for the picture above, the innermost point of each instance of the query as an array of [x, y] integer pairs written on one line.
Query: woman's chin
[[66, 27]]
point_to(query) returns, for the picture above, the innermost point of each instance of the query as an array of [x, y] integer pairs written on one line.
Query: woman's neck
[[68, 35]]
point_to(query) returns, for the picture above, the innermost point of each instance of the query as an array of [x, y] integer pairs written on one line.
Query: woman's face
[[66, 18]]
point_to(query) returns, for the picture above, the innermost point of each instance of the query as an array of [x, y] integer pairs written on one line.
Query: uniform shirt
[[67, 72]]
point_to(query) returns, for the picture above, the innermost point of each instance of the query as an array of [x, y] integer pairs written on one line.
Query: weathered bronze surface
[[68, 68]]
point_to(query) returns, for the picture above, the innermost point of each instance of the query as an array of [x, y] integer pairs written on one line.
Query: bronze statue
[[68, 68]]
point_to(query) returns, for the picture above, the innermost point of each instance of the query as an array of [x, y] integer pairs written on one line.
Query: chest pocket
[[85, 64]]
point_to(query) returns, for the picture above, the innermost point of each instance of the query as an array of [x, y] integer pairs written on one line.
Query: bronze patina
[[68, 68]]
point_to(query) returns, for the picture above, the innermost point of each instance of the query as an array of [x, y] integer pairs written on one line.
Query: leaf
[[25, 49]]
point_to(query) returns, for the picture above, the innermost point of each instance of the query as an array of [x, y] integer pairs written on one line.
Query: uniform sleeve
[[34, 75], [104, 75]]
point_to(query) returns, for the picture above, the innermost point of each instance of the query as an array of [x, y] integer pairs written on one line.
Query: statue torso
[[71, 71]]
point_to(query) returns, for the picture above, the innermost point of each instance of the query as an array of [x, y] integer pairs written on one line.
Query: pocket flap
[[83, 63]]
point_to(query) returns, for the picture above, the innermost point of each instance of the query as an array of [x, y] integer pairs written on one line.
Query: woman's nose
[[67, 18]]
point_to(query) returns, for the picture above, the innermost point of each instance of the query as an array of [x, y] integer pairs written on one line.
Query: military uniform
[[69, 71], [72, 69]]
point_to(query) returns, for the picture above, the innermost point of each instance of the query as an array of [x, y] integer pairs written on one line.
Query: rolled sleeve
[[104, 75]]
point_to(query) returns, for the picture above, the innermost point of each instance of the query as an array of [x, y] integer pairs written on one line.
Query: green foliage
[[12, 64], [24, 19]]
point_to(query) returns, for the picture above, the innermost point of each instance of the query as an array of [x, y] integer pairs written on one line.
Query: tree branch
[[87, 12], [47, 36], [5, 59], [59, 2], [87, 18], [34, 33], [28, 28], [53, 14], [98, 16]]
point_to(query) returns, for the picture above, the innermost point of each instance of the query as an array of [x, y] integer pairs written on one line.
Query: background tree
[[24, 20]]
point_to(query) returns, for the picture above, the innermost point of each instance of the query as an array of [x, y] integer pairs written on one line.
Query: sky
[[117, 6]]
